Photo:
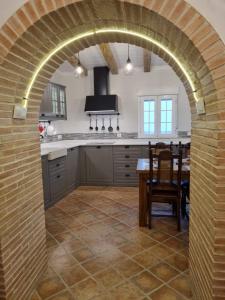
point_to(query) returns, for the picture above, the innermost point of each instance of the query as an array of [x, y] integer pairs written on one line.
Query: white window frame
[[157, 98]]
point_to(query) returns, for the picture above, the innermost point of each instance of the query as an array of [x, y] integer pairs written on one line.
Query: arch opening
[[111, 30]]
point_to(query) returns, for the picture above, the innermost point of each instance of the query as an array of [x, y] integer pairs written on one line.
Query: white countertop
[[46, 148]]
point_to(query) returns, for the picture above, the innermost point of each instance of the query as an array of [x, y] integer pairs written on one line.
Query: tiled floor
[[96, 250]]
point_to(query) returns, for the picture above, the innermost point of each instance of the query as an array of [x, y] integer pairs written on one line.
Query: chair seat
[[164, 186]]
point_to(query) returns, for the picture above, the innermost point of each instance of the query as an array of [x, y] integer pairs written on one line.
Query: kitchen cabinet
[[53, 106], [99, 165], [72, 169], [90, 165], [57, 178], [125, 163], [82, 161], [46, 183]]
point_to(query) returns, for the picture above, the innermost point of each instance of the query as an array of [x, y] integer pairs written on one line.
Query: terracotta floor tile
[[62, 296], [86, 290], [120, 227], [35, 296], [73, 275], [146, 282], [175, 244], [159, 236], [55, 252], [126, 291], [178, 261], [83, 254], [164, 271], [166, 293], [64, 236], [95, 265], [96, 246], [49, 287], [131, 249], [146, 259], [161, 251], [128, 268], [50, 241], [108, 278], [72, 245], [63, 262], [182, 285]]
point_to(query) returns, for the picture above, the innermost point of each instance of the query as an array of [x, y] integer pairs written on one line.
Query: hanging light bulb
[[79, 69], [129, 66]]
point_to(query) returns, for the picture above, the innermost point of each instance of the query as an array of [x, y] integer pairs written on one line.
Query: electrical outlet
[[119, 134], [20, 112]]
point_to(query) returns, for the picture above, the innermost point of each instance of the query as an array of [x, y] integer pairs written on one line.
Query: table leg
[[142, 201]]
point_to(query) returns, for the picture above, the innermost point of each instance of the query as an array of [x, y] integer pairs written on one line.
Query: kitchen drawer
[[125, 166], [57, 163], [125, 177], [135, 150], [57, 176], [58, 186], [126, 158]]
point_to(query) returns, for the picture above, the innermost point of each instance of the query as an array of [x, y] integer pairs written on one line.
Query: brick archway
[[33, 32]]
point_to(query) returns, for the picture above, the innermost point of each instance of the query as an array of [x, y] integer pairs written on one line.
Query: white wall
[[212, 10], [128, 88]]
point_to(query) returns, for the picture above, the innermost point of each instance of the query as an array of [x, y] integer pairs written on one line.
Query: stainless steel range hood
[[101, 102]]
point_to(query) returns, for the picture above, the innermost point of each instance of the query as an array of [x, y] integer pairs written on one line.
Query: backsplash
[[90, 136], [100, 135]]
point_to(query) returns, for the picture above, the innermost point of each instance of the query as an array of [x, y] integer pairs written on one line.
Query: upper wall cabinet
[[53, 106]]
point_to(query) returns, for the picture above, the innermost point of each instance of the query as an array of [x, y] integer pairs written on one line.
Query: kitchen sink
[[56, 153]]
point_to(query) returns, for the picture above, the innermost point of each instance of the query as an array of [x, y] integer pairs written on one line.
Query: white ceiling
[[92, 57]]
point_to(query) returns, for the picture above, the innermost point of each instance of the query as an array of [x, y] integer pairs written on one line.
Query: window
[[157, 116]]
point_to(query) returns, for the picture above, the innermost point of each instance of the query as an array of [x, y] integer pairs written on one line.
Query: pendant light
[[79, 69], [129, 66]]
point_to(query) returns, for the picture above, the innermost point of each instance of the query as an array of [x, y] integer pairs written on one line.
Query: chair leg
[[183, 203], [179, 214], [150, 214]]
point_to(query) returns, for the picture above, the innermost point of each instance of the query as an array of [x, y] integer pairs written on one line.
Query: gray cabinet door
[[53, 106], [72, 169], [82, 165], [46, 182], [57, 177], [99, 165]]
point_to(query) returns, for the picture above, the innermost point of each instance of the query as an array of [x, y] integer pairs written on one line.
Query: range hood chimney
[[101, 102]]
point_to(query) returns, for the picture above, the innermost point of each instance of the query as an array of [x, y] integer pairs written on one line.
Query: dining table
[[143, 173]]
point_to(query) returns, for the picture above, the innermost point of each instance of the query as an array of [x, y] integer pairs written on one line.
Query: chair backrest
[[165, 162], [187, 148], [160, 146]]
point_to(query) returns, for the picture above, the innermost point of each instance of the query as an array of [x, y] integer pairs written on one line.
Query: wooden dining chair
[[160, 146], [185, 186], [164, 184]]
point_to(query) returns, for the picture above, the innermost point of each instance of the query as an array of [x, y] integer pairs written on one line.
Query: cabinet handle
[[127, 156], [127, 166], [58, 176], [57, 165], [127, 147], [127, 175], [98, 147]]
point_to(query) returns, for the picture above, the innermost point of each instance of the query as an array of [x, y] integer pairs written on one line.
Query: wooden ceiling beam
[[109, 58], [73, 60], [147, 60]]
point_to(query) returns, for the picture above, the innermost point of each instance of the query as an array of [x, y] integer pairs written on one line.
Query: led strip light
[[110, 30]]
